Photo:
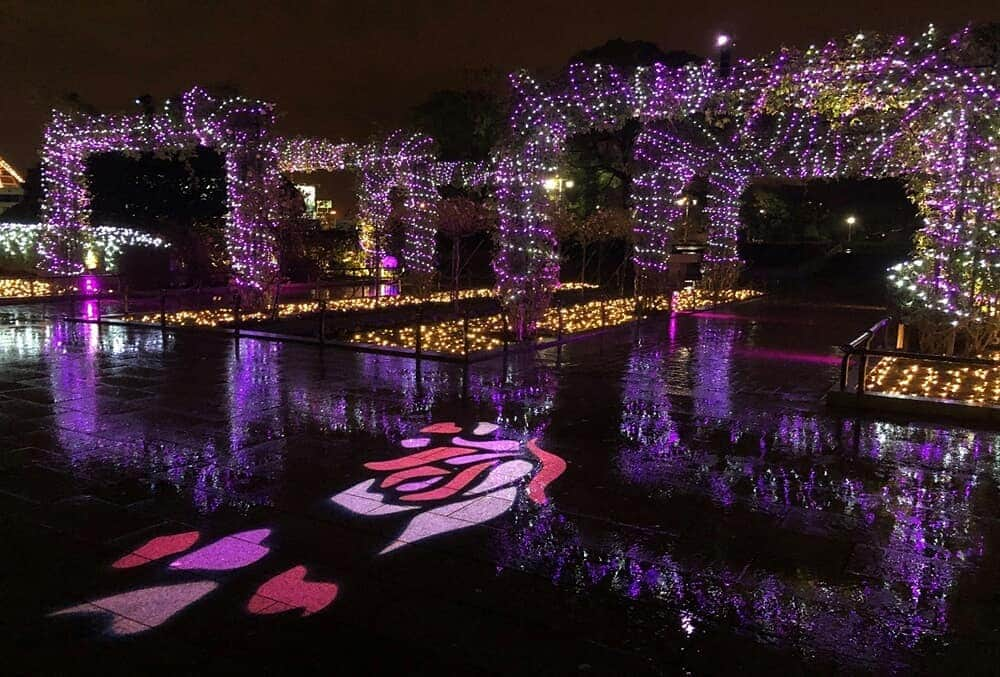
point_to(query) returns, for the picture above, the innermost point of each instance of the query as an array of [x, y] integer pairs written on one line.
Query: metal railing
[[861, 350]]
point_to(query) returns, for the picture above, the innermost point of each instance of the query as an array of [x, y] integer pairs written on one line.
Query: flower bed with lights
[[693, 299], [225, 315], [486, 334], [907, 377], [26, 287]]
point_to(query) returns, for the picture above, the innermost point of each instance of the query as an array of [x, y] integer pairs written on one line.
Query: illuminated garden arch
[[254, 159], [401, 162], [239, 128], [923, 109]]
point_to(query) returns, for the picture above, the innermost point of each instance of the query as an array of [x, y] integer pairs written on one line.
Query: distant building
[[11, 186], [309, 197], [326, 214]]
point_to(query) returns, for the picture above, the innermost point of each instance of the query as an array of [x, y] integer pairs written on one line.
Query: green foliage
[[465, 124]]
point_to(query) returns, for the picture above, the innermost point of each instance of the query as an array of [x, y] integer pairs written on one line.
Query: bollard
[[163, 309], [237, 317], [559, 323], [465, 333], [604, 314], [322, 322], [420, 330], [125, 299]]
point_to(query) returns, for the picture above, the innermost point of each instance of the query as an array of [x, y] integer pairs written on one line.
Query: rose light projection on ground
[[454, 482], [470, 478], [142, 609]]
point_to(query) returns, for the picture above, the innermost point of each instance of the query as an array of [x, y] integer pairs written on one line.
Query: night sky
[[348, 69]]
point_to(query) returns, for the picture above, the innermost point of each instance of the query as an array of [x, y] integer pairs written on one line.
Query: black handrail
[[861, 346]]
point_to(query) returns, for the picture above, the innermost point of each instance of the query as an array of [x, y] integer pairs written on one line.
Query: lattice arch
[[921, 108], [239, 128]]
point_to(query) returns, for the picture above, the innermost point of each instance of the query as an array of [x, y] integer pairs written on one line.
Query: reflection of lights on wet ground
[[687, 624]]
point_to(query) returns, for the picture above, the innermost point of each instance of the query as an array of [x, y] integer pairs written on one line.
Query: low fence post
[[163, 309], [465, 333], [419, 339], [238, 316], [322, 321], [845, 368], [559, 322], [604, 314]]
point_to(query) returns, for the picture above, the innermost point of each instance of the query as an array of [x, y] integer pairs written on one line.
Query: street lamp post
[[557, 184], [851, 221], [724, 43]]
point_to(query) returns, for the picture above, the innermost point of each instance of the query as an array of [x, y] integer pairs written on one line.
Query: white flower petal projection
[[146, 608], [359, 499], [505, 473], [484, 428], [454, 516]]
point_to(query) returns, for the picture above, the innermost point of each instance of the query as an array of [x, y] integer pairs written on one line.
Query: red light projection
[[157, 548], [552, 468], [289, 591], [454, 485], [445, 428], [142, 609]]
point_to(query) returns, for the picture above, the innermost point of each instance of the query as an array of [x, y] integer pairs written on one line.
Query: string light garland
[[213, 317], [240, 128], [920, 109], [105, 243]]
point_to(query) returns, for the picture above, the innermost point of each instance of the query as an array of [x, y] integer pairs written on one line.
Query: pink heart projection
[[157, 548], [289, 591], [456, 485]]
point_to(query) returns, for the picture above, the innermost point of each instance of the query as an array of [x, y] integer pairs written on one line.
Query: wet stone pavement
[[661, 499]]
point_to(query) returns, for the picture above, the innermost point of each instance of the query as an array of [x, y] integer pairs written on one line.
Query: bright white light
[[721, 40], [851, 220], [568, 184], [550, 184]]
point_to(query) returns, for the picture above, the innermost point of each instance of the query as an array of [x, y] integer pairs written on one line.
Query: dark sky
[[346, 69]]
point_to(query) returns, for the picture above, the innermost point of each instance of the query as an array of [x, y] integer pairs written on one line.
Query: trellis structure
[[239, 128], [920, 109], [923, 110]]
